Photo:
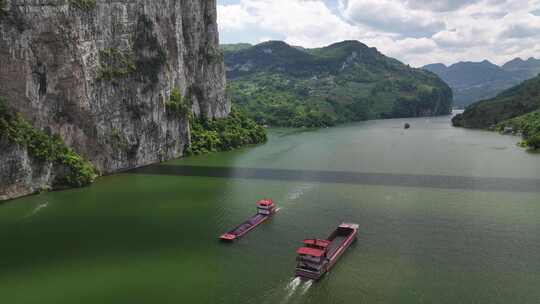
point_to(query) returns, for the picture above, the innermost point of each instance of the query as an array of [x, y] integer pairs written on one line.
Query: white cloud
[[463, 37], [521, 25], [392, 16], [415, 31], [416, 46], [303, 22], [234, 17]]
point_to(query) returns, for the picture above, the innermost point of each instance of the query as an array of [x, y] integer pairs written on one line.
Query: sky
[[417, 32]]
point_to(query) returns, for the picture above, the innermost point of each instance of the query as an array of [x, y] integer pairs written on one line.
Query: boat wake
[[296, 288], [306, 287], [299, 191], [36, 210], [291, 289]]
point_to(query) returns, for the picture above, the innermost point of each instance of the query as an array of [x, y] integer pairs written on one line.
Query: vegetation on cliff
[[2, 8], [114, 63], [84, 5], [178, 105], [224, 134], [46, 147], [513, 108], [281, 85], [215, 135], [144, 59], [98, 73]]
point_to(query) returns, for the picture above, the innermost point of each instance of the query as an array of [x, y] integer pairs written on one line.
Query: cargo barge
[[265, 209], [317, 256]]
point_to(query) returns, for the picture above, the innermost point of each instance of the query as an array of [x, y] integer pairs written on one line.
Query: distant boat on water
[[265, 209]]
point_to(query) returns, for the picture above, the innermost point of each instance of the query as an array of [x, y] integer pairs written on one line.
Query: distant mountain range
[[474, 81], [283, 85]]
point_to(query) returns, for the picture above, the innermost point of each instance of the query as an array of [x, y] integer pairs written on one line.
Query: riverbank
[[526, 126], [55, 166], [515, 110]]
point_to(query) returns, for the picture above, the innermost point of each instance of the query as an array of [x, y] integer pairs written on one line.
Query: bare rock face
[[99, 74], [21, 174]]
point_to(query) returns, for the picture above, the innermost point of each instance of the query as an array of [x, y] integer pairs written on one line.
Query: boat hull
[[262, 215], [312, 275], [244, 228], [330, 261]]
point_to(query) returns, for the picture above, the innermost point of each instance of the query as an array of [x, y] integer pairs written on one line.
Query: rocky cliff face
[[99, 74]]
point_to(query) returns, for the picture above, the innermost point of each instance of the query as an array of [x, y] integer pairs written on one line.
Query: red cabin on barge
[[265, 209], [317, 256]]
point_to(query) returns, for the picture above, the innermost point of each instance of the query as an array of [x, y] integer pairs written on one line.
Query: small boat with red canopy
[[265, 209], [318, 256]]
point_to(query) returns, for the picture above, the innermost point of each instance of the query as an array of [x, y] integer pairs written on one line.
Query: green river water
[[446, 215]]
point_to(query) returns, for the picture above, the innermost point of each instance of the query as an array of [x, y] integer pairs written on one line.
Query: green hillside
[[282, 85], [231, 48], [512, 108]]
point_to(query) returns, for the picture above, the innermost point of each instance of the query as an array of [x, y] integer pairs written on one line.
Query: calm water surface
[[446, 216]]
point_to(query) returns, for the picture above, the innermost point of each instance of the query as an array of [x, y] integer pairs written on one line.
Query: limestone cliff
[[99, 74]]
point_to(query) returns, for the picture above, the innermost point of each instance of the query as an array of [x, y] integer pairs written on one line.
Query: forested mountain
[[283, 85], [231, 48]]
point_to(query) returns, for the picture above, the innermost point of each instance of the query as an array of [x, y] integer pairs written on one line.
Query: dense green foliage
[[85, 5], [517, 108], [224, 134], [281, 85], [533, 141], [474, 81], [177, 104], [46, 147], [528, 125]]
